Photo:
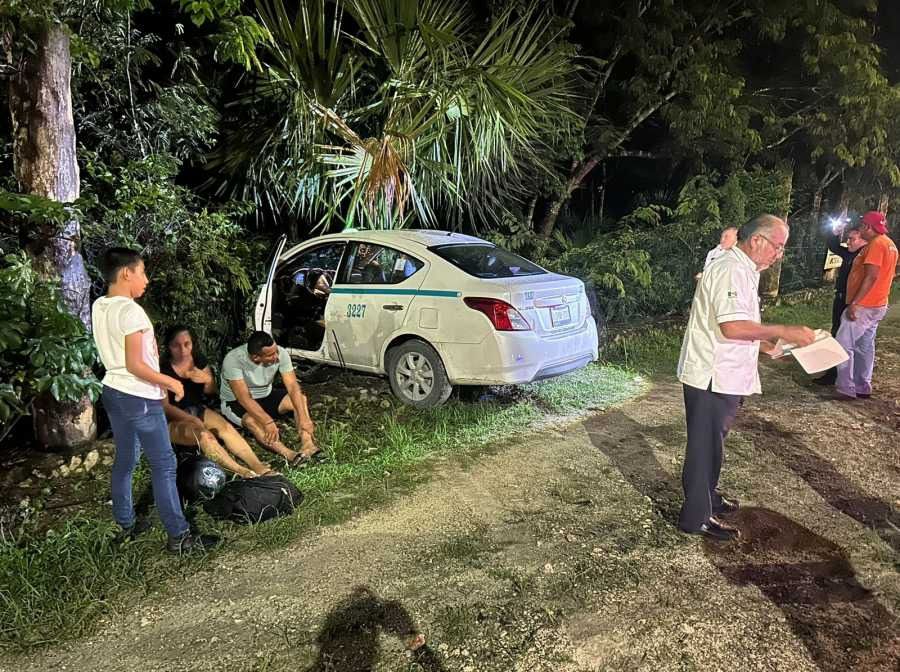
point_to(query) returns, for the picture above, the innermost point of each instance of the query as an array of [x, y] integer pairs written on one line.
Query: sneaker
[[189, 543], [133, 531]]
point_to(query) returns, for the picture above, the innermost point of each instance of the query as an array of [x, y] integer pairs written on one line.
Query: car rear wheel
[[417, 375]]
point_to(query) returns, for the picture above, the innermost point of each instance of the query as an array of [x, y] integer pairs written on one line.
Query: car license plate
[[560, 316]]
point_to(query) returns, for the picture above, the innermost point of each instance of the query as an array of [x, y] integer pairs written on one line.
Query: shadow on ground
[[349, 638], [811, 580], [821, 475], [805, 575]]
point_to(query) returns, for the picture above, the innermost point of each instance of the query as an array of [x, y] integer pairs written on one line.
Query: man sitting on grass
[[249, 400]]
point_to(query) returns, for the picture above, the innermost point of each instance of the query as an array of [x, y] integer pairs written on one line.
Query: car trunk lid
[[553, 304]]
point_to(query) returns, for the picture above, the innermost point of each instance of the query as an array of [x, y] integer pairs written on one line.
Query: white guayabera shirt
[[728, 291], [712, 255]]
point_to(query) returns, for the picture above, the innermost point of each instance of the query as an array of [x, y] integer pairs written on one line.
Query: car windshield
[[487, 261]]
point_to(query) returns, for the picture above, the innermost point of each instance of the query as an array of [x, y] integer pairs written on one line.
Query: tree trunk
[[529, 215], [549, 221], [770, 279], [43, 130], [812, 230], [884, 202], [580, 170]]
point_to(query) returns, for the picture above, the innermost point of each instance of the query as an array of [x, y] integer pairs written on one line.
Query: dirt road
[[559, 553]]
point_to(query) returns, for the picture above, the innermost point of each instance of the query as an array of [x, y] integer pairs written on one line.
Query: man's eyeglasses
[[779, 249]]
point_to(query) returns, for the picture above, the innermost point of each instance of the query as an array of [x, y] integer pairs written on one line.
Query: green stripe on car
[[397, 292]]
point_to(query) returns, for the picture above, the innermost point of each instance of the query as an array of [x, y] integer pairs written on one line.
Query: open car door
[[262, 319]]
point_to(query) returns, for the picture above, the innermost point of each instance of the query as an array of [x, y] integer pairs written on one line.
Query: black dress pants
[[837, 309], [709, 416]]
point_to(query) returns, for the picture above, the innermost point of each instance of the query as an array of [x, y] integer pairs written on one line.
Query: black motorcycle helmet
[[199, 479]]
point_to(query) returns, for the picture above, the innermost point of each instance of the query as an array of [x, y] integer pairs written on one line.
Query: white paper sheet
[[821, 355]]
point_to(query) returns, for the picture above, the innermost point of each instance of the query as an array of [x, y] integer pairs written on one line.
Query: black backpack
[[254, 500]]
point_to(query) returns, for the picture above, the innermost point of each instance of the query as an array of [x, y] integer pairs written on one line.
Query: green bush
[[200, 262], [644, 264], [43, 349]]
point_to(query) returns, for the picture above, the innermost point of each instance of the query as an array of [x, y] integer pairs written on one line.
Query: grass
[[654, 349], [55, 584], [466, 547], [815, 313]]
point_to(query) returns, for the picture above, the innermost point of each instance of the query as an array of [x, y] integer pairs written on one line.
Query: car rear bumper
[[517, 357]]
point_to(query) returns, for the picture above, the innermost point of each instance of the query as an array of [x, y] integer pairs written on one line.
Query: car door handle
[[392, 306]]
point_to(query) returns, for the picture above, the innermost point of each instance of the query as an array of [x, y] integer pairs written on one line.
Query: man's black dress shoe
[[716, 531], [727, 506]]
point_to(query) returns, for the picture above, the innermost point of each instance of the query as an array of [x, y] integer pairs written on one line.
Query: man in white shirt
[[726, 241], [718, 366]]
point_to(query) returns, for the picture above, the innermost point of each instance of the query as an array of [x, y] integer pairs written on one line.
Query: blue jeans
[[139, 423]]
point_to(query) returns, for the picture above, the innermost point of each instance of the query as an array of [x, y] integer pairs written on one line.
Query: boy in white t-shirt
[[133, 390]]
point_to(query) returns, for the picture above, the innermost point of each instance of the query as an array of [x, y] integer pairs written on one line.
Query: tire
[[417, 375]]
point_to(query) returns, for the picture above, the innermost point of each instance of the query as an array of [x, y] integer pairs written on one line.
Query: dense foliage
[[43, 349], [382, 112], [611, 140], [199, 261]]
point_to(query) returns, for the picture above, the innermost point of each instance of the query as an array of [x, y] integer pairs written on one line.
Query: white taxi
[[428, 309]]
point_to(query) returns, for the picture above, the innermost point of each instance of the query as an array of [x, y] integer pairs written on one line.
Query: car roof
[[426, 237]]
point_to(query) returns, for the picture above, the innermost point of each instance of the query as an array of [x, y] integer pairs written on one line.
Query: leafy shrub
[[200, 262], [644, 264], [42, 347]]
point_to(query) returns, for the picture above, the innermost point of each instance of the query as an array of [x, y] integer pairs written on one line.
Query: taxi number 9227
[[356, 310]]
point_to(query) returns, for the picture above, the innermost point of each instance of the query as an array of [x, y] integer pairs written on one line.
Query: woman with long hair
[[192, 420]]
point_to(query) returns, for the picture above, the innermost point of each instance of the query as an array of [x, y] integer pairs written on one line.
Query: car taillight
[[502, 315]]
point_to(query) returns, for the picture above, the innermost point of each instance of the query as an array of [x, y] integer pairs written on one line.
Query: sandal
[[300, 461]]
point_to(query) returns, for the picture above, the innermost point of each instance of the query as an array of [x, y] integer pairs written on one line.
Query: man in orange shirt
[[868, 288]]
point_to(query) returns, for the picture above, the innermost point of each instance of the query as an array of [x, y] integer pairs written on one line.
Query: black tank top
[[193, 392]]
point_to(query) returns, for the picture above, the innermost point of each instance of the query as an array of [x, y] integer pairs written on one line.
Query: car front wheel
[[417, 375]]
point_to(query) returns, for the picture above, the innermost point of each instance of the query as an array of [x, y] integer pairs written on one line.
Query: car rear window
[[487, 261]]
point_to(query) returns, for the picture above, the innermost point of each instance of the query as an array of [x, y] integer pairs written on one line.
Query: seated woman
[[191, 420]]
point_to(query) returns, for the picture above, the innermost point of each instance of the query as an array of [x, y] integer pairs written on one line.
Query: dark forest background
[[611, 140]]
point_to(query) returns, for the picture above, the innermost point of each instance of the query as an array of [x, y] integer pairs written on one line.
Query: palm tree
[[374, 113]]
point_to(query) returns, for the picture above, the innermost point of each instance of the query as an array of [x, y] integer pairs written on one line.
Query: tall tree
[[700, 79], [656, 64], [833, 114], [37, 51]]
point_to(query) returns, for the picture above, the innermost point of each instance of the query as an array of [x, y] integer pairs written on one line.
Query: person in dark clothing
[[855, 242], [192, 419]]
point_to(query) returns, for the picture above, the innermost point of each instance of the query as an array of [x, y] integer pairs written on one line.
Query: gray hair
[[761, 224]]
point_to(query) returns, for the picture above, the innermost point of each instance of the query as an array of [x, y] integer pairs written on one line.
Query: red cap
[[876, 221]]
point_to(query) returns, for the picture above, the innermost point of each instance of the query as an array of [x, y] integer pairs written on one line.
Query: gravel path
[[559, 553]]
